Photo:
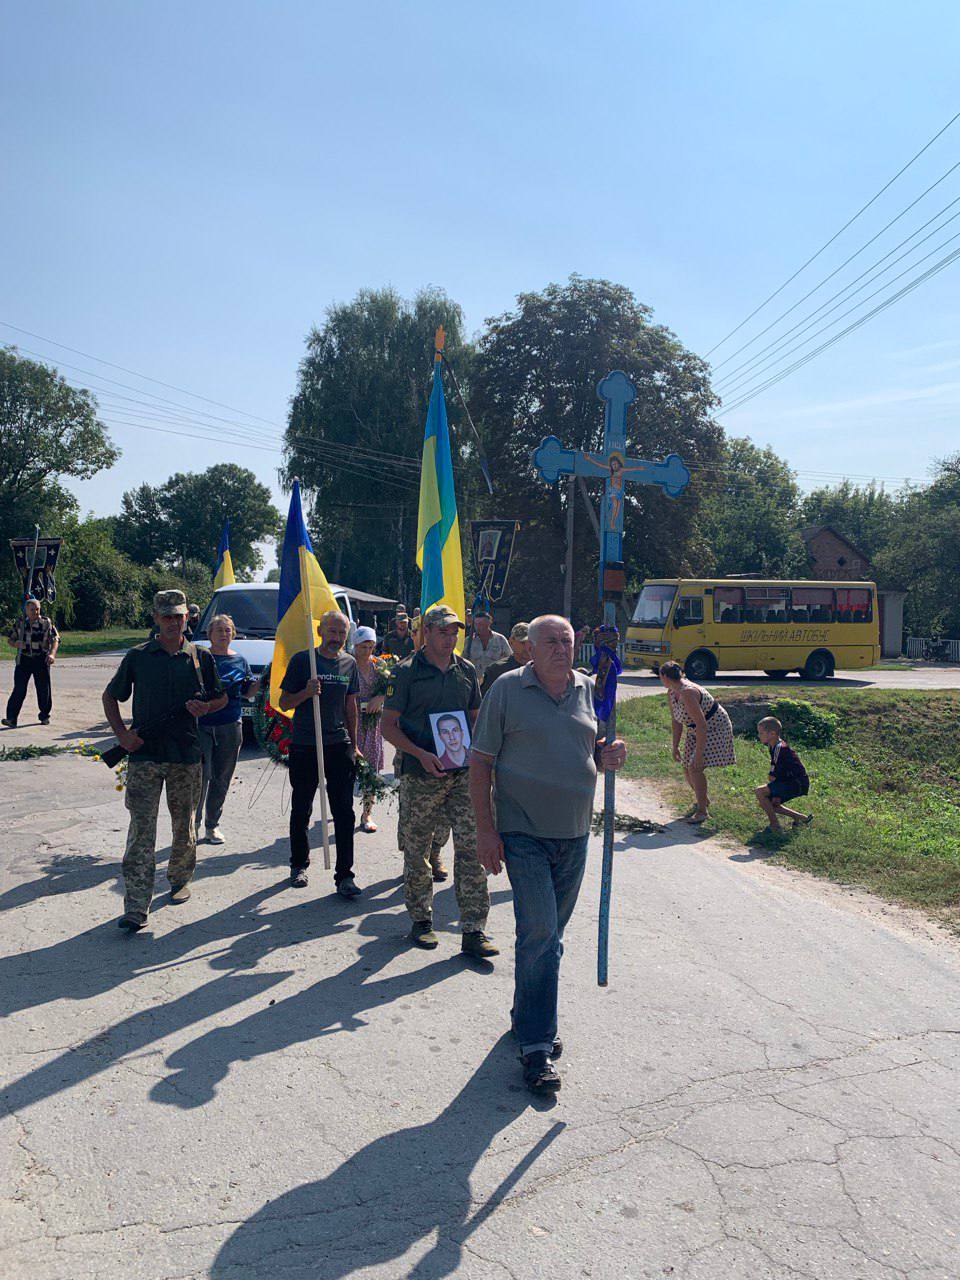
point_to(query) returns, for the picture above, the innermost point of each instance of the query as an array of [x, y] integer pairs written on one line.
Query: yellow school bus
[[750, 624]]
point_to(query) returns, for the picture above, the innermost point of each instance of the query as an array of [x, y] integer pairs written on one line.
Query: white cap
[[365, 633]]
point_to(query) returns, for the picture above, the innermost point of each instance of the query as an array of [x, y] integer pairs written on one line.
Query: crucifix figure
[[552, 460]]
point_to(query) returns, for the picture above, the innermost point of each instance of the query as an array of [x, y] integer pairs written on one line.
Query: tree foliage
[[355, 432], [48, 431], [181, 520], [535, 374], [751, 514]]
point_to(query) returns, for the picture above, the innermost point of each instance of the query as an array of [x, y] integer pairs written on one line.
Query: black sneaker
[[44, 719], [423, 935], [9, 724], [298, 877], [477, 944], [130, 922], [348, 888], [539, 1073]]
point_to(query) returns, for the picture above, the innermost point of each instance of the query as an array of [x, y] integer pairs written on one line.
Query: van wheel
[[819, 666], [776, 675], [700, 666]]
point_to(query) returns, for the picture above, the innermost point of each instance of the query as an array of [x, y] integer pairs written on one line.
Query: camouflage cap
[[440, 616], [520, 631], [168, 603]]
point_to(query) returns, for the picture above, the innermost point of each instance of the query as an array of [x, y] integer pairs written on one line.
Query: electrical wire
[[751, 393], [778, 341], [849, 223]]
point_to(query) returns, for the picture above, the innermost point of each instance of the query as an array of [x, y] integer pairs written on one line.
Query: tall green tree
[[922, 554], [49, 431], [751, 514], [182, 519], [355, 432], [535, 374]]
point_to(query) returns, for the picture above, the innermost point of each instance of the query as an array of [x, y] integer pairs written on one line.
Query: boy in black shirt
[[788, 777]]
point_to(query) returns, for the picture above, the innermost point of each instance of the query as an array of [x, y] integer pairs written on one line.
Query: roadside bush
[[803, 724]]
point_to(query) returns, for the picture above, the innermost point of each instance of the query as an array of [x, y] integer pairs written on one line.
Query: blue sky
[[186, 187]]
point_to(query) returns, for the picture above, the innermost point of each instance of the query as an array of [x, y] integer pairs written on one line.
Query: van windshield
[[253, 610], [653, 607]]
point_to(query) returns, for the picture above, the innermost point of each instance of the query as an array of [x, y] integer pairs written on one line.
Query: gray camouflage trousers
[[428, 804], [145, 781]]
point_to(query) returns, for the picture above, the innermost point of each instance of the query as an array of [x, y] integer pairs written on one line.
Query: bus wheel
[[700, 666], [776, 675], [819, 666]]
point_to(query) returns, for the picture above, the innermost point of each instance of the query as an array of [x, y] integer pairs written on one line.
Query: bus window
[[812, 604], [689, 611], [766, 604], [728, 604], [854, 604], [653, 606]]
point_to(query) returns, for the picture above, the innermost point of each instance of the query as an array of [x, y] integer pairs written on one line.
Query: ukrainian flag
[[438, 528], [224, 576], [301, 579]]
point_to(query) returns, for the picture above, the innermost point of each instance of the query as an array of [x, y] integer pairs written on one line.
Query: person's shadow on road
[[397, 1190]]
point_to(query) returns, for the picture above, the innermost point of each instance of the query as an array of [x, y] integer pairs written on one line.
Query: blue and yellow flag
[[438, 528], [224, 577], [300, 576]]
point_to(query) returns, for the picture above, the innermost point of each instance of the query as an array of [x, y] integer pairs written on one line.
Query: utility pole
[[568, 569]]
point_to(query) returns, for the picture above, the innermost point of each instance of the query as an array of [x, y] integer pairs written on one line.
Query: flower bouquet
[[271, 727]]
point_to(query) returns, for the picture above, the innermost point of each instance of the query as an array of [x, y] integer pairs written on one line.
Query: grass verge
[[75, 644], [886, 794]]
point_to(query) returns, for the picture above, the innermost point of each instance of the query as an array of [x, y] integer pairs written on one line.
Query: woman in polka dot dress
[[709, 740]]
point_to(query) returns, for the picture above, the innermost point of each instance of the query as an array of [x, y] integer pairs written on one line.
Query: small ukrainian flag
[[224, 576], [438, 527], [300, 577]]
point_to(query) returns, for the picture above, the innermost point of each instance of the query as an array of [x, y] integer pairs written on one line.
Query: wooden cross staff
[[552, 461]]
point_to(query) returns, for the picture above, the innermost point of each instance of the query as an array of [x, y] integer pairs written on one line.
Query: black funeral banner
[[44, 585], [493, 544]]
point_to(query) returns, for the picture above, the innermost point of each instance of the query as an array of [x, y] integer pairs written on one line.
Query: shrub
[[804, 724]]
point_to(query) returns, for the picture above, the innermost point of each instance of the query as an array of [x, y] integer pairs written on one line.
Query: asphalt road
[[271, 1083]]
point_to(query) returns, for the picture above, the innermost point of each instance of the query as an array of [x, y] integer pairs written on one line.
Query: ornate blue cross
[[552, 460]]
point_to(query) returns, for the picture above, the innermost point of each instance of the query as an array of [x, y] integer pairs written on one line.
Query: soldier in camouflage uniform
[[432, 681], [172, 683]]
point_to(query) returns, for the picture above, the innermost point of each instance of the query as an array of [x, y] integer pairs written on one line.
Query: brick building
[[835, 558]]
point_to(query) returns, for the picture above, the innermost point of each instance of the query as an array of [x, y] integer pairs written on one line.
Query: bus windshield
[[653, 607]]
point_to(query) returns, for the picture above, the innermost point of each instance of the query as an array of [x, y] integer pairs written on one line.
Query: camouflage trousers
[[441, 834], [428, 805], [145, 781]]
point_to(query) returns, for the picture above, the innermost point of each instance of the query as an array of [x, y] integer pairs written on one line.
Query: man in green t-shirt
[[172, 682], [433, 685]]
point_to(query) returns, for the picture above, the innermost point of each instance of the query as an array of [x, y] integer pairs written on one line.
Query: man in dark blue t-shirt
[[338, 684]]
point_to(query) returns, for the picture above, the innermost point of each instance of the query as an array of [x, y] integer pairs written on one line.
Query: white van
[[253, 608]]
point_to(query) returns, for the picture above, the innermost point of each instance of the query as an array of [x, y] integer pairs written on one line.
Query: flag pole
[[317, 729]]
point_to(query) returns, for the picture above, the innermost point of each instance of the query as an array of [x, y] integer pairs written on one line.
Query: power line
[[817, 287], [934, 270], [776, 359], [776, 342], [849, 223]]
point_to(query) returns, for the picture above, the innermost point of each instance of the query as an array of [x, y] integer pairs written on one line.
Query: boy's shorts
[[781, 792]]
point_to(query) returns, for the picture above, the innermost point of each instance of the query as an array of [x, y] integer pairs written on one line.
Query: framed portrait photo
[[451, 738]]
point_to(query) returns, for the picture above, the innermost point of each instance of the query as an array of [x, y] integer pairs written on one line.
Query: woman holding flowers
[[373, 687]]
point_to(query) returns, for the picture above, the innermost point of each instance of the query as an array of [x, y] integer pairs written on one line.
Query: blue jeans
[[545, 876]]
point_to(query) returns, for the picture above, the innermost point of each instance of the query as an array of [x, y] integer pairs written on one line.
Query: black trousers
[[340, 770], [22, 671]]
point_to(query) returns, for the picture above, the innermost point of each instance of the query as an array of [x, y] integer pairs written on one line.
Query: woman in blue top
[[221, 732]]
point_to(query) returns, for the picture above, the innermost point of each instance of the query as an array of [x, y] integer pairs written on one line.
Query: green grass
[[886, 794], [74, 644]]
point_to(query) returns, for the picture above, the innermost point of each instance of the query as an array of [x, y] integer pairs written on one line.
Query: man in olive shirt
[[436, 680], [520, 645], [172, 683], [398, 641], [338, 684], [537, 735]]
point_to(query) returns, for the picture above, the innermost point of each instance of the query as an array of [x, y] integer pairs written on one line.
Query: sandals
[[804, 821], [697, 819]]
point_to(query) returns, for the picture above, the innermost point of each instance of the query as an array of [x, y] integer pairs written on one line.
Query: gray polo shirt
[[544, 771]]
